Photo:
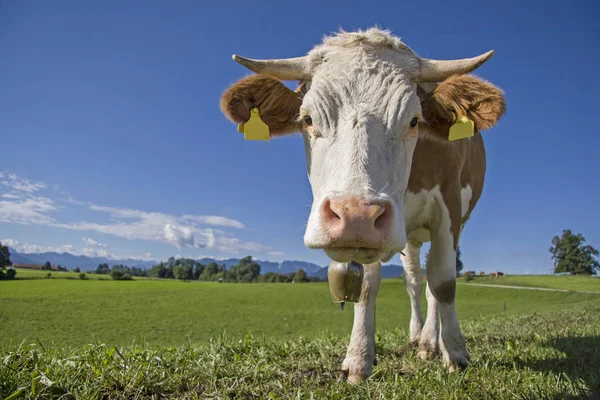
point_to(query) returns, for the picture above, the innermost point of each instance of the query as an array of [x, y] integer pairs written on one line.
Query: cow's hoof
[[416, 328], [428, 350], [456, 360], [357, 369]]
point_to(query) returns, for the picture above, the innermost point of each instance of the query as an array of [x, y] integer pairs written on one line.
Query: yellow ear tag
[[463, 128], [254, 128]]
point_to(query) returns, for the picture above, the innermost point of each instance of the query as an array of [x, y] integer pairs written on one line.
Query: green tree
[[183, 272], [77, 270], [571, 254], [459, 263], [158, 271], [47, 266], [209, 272], [5, 262], [300, 276], [171, 262], [4, 257], [103, 269], [245, 271], [137, 271], [11, 273], [198, 269], [116, 275]]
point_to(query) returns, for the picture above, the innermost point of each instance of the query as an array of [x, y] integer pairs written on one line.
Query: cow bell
[[345, 282]]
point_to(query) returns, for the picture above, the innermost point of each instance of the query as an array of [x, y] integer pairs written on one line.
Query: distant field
[[167, 313], [39, 274], [567, 282]]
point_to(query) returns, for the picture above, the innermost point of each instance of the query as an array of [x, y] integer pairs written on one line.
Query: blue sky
[[113, 142]]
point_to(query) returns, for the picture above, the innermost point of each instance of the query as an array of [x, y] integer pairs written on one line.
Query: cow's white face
[[360, 120], [359, 114]]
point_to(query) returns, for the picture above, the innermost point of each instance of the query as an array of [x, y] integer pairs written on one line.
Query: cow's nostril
[[383, 220], [328, 213]]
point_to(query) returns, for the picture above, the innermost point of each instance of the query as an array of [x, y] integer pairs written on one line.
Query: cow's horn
[[438, 70], [285, 69]]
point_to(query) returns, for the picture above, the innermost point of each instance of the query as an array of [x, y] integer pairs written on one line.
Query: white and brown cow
[[385, 178]]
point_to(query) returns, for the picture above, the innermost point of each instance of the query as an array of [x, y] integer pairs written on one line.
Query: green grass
[[169, 313], [539, 355], [568, 282], [23, 273]]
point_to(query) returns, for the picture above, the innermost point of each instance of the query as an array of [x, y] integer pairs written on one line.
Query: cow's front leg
[[412, 279], [360, 355], [441, 280], [428, 343]]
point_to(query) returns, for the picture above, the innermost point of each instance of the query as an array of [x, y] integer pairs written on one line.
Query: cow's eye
[[308, 120], [414, 122]]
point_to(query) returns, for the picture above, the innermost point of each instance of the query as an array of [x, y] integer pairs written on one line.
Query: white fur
[[413, 281], [428, 343], [427, 219], [361, 99], [361, 350], [441, 268], [466, 194]]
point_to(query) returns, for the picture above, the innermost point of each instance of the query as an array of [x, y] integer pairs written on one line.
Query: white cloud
[[94, 252], [213, 220], [33, 210], [26, 206], [92, 242], [20, 184], [179, 232], [34, 248], [276, 253]]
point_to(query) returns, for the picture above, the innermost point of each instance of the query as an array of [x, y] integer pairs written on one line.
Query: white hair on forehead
[[365, 49], [374, 37]]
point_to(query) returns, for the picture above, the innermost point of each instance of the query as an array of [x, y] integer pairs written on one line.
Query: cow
[[385, 178]]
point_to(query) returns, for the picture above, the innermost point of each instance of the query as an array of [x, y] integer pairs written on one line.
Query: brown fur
[[277, 105], [481, 101], [446, 292]]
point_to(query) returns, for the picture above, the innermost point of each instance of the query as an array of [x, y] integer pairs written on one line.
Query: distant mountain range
[[90, 263], [72, 261]]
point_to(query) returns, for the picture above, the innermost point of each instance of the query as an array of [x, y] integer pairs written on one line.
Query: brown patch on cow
[[454, 165], [468, 95], [277, 104], [446, 292], [451, 166]]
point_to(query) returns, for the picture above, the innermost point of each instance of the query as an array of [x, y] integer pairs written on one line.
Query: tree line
[[570, 254], [187, 269]]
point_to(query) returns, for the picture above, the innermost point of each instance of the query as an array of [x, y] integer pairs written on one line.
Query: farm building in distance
[[35, 266]]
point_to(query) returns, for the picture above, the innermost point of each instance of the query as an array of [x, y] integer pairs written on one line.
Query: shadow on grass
[[581, 362]]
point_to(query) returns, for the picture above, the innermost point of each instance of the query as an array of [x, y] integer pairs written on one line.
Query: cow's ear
[[468, 95], [277, 105]]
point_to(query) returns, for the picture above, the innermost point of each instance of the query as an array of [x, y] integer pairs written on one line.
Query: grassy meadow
[[169, 313], [23, 273], [154, 339], [564, 282]]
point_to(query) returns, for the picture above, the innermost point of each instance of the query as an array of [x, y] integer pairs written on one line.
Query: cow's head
[[364, 99]]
